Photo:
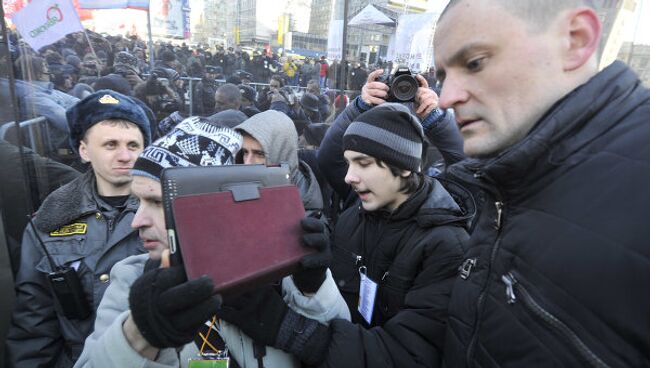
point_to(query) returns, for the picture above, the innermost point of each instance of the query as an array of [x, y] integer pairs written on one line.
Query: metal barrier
[[299, 90], [34, 133]]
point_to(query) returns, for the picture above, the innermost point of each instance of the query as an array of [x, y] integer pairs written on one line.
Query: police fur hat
[[103, 105], [213, 69]]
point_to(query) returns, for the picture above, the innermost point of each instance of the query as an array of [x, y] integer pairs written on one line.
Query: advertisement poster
[[167, 18]]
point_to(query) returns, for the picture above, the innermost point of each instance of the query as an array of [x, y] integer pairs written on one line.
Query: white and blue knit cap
[[193, 142]]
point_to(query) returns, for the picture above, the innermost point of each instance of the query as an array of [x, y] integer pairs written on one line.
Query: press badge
[[209, 362], [367, 294]]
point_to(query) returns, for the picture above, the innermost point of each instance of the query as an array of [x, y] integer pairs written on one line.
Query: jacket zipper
[[559, 327], [481, 298]]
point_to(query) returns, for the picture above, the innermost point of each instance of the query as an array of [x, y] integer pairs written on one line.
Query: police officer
[[80, 231], [203, 94]]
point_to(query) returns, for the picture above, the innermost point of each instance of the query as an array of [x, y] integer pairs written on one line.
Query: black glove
[[168, 309], [313, 266], [258, 314]]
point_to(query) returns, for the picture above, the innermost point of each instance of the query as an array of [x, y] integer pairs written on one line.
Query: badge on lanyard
[[367, 294], [216, 358], [206, 361]]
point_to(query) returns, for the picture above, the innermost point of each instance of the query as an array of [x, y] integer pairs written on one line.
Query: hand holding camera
[[426, 100], [374, 92]]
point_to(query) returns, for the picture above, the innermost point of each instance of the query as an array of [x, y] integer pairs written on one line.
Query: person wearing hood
[[396, 254], [270, 138]]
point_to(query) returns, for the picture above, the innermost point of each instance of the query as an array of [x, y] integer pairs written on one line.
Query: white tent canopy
[[370, 15]]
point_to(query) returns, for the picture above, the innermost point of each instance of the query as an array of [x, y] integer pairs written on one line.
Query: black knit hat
[[389, 133], [193, 142], [103, 105]]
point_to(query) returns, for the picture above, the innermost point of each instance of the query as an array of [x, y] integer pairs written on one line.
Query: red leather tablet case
[[242, 244]]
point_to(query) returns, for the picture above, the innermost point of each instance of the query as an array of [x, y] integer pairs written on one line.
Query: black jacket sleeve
[[414, 337], [442, 132]]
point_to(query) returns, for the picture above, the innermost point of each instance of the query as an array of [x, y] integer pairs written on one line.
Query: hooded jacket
[[278, 137], [557, 269], [80, 231], [108, 347]]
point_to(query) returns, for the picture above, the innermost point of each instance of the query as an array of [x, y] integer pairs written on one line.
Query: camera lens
[[405, 87]]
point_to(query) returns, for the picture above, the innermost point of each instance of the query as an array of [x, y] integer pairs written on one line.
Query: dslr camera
[[402, 85]]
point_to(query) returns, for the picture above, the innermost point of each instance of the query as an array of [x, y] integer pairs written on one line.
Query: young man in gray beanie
[[150, 314], [396, 253], [85, 227]]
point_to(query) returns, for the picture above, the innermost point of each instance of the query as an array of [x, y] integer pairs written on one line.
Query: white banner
[[44, 22], [113, 4], [370, 15], [414, 40], [167, 18], [335, 40]]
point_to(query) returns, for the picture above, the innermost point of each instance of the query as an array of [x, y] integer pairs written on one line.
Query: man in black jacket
[[396, 251], [557, 268]]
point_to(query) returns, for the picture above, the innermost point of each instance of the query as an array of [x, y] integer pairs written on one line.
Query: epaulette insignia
[[78, 228], [108, 99]]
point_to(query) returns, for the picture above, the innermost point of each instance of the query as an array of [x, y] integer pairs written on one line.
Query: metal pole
[[340, 79], [92, 49], [151, 56], [191, 97], [636, 30]]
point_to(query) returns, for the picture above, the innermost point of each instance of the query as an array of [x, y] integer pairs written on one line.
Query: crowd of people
[[497, 220]]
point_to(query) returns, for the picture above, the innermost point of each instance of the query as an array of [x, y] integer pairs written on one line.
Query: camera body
[[402, 85]]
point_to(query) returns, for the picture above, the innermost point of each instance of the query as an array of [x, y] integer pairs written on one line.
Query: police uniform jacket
[[81, 231], [558, 268]]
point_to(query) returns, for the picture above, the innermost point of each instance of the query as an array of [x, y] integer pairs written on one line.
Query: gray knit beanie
[[389, 133]]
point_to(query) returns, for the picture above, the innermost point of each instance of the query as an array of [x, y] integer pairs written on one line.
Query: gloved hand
[[313, 266], [258, 313], [168, 309]]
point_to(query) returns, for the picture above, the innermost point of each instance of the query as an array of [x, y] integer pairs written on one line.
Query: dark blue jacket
[[558, 266]]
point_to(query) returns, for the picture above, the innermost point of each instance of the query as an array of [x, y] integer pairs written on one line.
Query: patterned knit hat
[[389, 133], [193, 142]]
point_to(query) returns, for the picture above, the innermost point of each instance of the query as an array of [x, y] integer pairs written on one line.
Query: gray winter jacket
[[278, 137], [79, 230], [107, 346]]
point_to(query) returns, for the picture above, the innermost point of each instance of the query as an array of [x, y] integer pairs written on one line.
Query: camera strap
[[50, 260]]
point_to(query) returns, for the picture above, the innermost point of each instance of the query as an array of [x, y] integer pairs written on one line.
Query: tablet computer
[[237, 224]]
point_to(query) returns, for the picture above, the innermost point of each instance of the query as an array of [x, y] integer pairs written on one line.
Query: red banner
[[12, 6]]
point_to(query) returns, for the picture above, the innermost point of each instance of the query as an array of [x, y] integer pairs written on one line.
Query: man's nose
[[453, 92]]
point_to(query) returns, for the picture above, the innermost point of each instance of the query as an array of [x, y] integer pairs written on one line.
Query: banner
[[414, 40], [187, 31], [44, 22], [113, 4], [167, 18], [11, 7], [335, 40], [370, 15]]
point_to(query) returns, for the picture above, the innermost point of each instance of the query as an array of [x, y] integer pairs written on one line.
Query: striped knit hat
[[389, 133]]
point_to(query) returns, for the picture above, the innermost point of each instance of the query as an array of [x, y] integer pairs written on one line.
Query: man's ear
[[405, 173], [83, 152], [583, 33]]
